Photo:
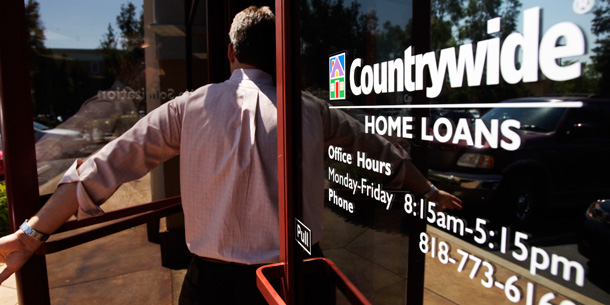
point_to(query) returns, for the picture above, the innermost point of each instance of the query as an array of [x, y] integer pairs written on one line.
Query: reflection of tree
[[125, 63], [328, 27], [583, 85], [601, 59], [58, 85], [469, 19], [444, 14], [332, 26], [392, 40], [477, 12]]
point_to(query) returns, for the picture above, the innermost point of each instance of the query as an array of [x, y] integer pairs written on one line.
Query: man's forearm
[[415, 180], [60, 207]]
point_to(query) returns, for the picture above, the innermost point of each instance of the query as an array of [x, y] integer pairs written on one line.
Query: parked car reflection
[[594, 243], [100, 119], [57, 143], [562, 160]]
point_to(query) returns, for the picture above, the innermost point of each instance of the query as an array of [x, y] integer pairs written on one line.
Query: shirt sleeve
[[151, 141], [342, 130]]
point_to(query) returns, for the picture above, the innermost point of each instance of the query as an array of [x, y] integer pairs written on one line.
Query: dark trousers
[[216, 282], [208, 282]]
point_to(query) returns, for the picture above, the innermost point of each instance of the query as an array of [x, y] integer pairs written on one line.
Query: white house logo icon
[[336, 64]]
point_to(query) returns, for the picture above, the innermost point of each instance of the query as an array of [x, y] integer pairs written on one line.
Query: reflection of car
[[40, 130], [595, 235], [564, 152], [57, 143], [454, 114]]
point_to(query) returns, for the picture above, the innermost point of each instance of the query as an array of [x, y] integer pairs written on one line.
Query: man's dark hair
[[252, 36]]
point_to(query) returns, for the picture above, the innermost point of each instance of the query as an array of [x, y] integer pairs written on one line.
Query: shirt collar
[[256, 75]]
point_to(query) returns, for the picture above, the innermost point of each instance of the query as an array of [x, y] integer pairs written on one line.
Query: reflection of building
[[89, 73], [90, 60]]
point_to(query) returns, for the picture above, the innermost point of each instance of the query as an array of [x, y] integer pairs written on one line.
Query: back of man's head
[[252, 36]]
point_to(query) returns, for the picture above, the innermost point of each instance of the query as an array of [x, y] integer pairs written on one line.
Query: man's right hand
[[446, 200], [15, 250]]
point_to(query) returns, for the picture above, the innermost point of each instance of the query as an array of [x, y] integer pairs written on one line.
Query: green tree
[[56, 82], [112, 56], [337, 27], [45, 69], [471, 26], [583, 85], [4, 224], [443, 16], [37, 53], [392, 39], [477, 12], [601, 60], [123, 54], [132, 30], [34, 27]]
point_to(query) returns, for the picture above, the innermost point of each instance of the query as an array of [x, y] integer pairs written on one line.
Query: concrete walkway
[[123, 268]]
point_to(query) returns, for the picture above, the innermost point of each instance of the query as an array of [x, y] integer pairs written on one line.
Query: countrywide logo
[[519, 57], [336, 65]]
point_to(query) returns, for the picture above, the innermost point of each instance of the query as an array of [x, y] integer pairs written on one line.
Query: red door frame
[[18, 143], [285, 142], [288, 126]]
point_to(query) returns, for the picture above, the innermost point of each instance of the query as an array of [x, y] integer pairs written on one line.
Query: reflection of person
[[226, 137], [105, 115]]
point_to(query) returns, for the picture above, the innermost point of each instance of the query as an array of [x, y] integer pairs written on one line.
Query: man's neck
[[237, 65]]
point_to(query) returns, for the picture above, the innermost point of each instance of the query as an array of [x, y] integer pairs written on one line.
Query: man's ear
[[231, 53]]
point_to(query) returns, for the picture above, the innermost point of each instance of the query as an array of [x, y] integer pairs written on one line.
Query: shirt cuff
[[86, 207]]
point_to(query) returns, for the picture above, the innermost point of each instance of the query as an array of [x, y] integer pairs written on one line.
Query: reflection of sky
[[554, 12], [79, 24], [398, 12]]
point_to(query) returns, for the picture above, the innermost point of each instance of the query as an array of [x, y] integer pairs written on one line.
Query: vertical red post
[[18, 143], [284, 143]]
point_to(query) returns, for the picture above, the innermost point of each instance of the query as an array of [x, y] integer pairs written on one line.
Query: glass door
[[503, 104]]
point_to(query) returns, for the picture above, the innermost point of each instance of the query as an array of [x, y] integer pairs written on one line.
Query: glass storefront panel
[[88, 84], [96, 69], [364, 232], [530, 234], [515, 121]]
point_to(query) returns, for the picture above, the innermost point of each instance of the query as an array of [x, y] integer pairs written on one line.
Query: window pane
[[98, 67], [517, 128]]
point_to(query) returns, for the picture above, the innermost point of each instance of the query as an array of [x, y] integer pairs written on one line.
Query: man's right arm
[[343, 130], [17, 248], [88, 184]]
